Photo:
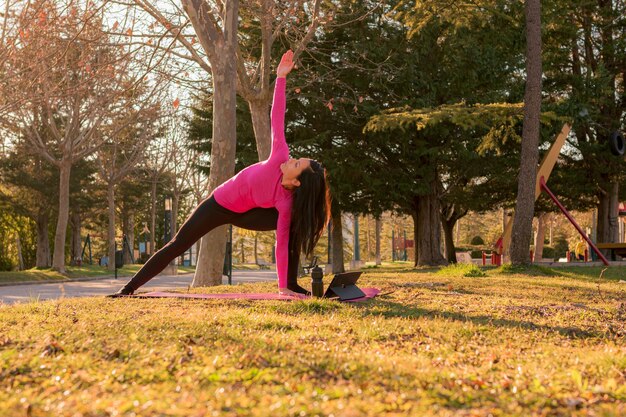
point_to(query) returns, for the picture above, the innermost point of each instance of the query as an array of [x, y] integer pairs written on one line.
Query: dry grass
[[513, 342]]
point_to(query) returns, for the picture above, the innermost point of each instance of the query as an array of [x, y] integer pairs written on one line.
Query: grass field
[[453, 342]]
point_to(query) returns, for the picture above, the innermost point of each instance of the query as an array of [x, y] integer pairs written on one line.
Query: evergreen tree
[[585, 79], [200, 131], [398, 55]]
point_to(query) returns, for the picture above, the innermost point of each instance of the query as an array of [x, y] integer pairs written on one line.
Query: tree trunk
[[356, 247], [614, 213], [111, 226], [367, 240], [224, 76], [379, 226], [260, 112], [128, 230], [541, 235], [448, 235], [243, 252], [256, 249], [337, 245], [174, 219], [450, 216], [604, 205], [426, 230], [153, 205], [43, 240], [58, 259], [525, 204], [76, 245]]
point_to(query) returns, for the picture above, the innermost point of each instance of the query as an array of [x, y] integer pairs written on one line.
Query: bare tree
[[156, 164], [197, 182], [13, 30], [119, 155], [213, 45], [72, 82], [296, 21], [525, 205], [182, 167], [220, 45]]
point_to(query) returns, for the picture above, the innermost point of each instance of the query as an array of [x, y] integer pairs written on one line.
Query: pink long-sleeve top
[[259, 185]]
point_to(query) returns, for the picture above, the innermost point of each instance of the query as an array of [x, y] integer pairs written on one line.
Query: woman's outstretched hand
[[286, 64]]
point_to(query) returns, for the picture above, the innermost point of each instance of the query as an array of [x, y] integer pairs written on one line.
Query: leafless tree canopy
[[68, 87]]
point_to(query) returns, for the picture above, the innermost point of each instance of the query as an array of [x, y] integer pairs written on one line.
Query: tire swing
[[617, 143]]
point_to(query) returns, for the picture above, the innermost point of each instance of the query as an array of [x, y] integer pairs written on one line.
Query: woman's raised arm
[[279, 144]]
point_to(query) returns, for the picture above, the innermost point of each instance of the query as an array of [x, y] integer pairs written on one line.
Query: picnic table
[[615, 248]]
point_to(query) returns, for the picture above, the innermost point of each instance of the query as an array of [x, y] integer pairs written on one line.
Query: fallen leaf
[[52, 348]]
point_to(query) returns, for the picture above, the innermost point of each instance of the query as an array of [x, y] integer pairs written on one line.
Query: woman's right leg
[[207, 216]]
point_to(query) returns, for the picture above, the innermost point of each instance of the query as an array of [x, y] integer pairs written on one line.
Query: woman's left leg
[[207, 216]]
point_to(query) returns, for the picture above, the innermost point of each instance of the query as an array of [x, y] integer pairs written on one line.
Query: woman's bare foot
[[297, 289], [287, 291], [124, 291]]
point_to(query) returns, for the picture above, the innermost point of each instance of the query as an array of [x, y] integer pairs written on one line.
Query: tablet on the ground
[[344, 286]]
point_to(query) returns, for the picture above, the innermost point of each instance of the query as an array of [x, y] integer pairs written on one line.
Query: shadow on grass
[[392, 309]]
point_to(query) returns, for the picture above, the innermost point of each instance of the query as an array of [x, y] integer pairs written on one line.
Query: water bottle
[[317, 286]]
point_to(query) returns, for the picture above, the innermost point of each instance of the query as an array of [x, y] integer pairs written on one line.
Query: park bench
[[618, 249]]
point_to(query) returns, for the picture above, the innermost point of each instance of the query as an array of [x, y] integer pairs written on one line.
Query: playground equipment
[[543, 173], [400, 244], [617, 144]]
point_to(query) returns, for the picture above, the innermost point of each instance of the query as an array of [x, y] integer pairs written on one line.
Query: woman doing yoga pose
[[288, 195]]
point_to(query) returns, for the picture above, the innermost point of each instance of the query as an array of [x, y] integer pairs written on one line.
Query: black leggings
[[206, 217]]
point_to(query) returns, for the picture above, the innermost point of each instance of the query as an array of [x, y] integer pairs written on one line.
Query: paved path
[[32, 292]]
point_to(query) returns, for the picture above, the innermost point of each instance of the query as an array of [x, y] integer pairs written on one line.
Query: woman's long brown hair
[[310, 212]]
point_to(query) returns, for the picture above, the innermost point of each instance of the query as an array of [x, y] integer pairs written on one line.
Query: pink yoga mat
[[369, 293]]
